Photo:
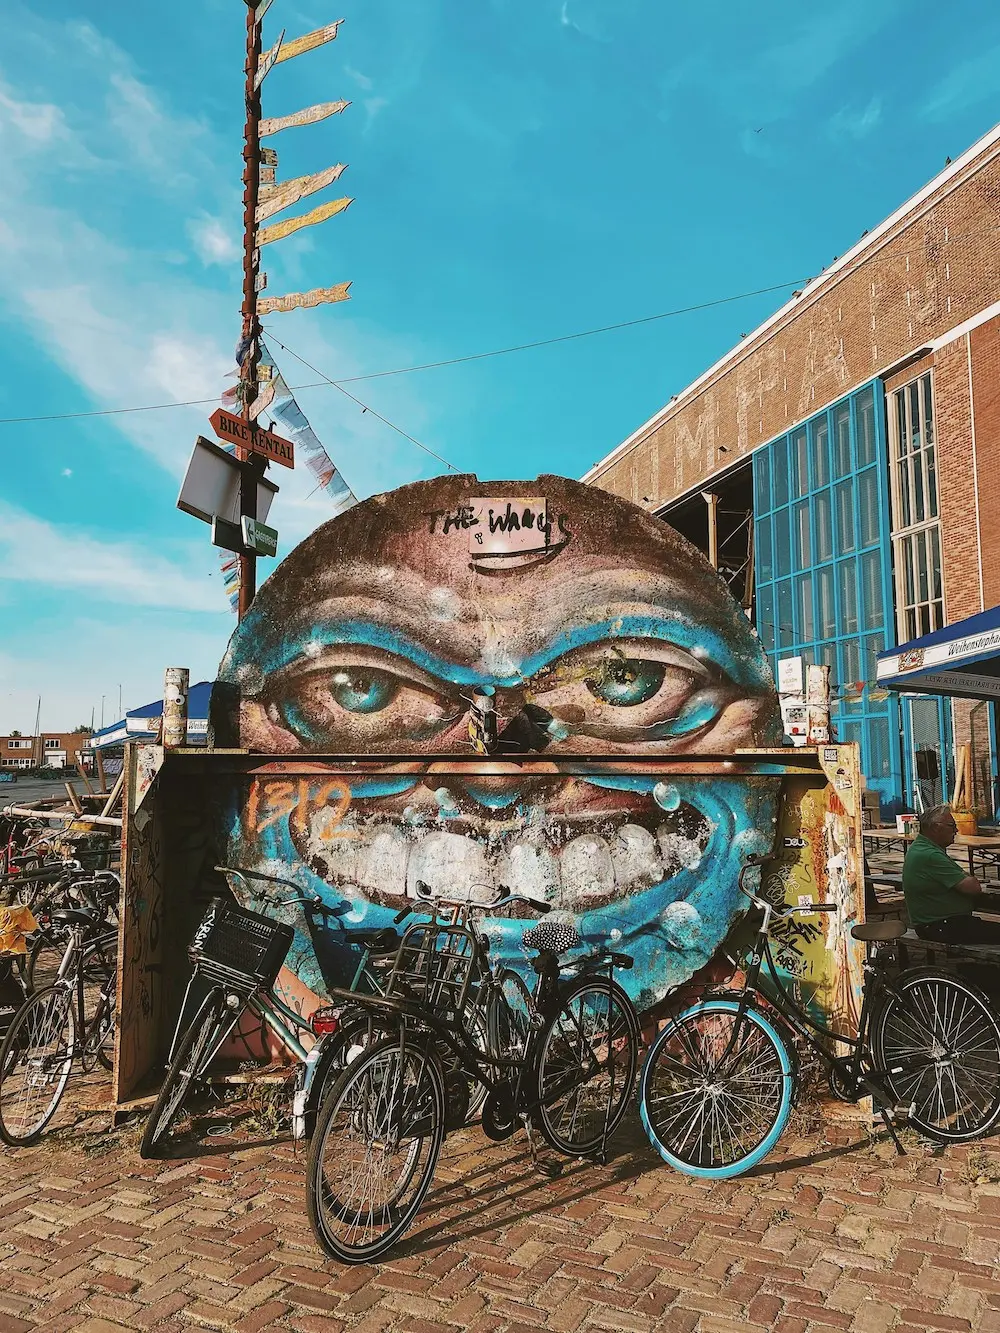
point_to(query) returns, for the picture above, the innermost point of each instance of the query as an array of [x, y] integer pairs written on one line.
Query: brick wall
[[984, 344], [938, 266]]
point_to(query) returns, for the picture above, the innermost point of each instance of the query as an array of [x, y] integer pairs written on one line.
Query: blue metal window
[[824, 568]]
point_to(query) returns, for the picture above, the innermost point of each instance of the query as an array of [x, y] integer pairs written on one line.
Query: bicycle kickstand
[[900, 1150], [544, 1166]]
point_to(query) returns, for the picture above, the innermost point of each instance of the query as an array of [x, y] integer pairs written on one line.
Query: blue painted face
[[370, 639]]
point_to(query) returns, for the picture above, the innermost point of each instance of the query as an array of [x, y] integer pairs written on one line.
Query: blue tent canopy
[[962, 660], [139, 724]]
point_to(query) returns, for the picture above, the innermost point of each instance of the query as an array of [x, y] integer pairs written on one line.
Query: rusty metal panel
[[288, 228], [309, 116], [299, 45], [303, 300], [273, 198]]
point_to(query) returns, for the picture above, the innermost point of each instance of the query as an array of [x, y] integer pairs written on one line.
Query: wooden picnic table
[[985, 846]]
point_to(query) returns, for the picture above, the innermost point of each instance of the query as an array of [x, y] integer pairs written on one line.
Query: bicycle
[[42, 1042], [239, 954], [561, 1058], [720, 1078]]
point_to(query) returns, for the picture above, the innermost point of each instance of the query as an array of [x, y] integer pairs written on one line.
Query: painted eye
[[359, 690], [625, 682]]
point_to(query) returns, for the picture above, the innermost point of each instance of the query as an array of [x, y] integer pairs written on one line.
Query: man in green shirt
[[940, 896]]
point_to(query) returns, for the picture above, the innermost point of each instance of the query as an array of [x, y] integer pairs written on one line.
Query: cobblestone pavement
[[830, 1233]]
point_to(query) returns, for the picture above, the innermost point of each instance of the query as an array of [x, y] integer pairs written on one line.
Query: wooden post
[[116, 792], [251, 323], [83, 773], [99, 761], [74, 800], [713, 527], [175, 707]]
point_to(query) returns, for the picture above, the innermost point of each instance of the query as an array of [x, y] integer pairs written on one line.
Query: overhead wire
[[326, 381], [364, 406]]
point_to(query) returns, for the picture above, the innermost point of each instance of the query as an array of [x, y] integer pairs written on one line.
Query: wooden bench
[[937, 949]]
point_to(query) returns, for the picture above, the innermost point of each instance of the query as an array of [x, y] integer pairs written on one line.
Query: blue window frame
[[824, 568]]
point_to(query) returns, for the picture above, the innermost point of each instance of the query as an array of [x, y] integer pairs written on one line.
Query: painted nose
[[491, 784]]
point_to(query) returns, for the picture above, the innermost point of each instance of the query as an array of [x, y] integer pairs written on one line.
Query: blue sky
[[520, 169]]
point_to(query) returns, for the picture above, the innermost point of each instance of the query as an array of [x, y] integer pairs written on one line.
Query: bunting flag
[[309, 116], [299, 46], [286, 412], [230, 566]]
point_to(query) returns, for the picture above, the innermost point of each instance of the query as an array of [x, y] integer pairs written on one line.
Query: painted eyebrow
[[696, 639]]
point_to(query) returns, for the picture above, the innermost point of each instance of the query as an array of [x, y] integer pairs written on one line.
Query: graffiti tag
[[298, 802]]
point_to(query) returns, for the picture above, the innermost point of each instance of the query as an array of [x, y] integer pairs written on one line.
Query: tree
[[15, 733], [83, 730]]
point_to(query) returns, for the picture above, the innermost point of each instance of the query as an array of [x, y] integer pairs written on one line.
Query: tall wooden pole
[[251, 323]]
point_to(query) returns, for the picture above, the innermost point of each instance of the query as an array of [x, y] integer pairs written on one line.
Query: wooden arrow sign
[[269, 157], [309, 42], [273, 198], [303, 300], [282, 229], [237, 430], [309, 116], [267, 60]]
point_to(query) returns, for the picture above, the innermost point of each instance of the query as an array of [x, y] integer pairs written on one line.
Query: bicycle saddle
[[73, 916], [551, 937], [376, 941], [879, 931]]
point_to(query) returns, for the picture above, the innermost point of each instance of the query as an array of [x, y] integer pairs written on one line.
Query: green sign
[[259, 538]]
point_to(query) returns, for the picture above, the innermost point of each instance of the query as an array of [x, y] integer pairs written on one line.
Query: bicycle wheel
[[939, 1047], [713, 1106], [587, 1059], [35, 1062], [190, 1061], [99, 1036], [374, 1151]]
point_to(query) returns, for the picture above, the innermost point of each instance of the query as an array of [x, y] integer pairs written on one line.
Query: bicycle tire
[[45, 1019], [365, 1108], [44, 957], [956, 1098], [187, 1065], [596, 1022], [671, 1072]]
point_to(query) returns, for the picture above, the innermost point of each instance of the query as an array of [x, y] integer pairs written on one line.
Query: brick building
[[52, 749], [841, 467]]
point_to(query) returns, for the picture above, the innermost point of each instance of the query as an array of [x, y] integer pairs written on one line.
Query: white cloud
[[362, 80], [67, 472], [34, 551], [105, 656], [856, 123], [40, 122], [213, 243], [964, 86]]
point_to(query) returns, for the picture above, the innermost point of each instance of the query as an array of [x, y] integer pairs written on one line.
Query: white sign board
[[790, 675], [211, 486]]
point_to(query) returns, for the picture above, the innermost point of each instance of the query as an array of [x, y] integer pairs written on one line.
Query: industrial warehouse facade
[[841, 468]]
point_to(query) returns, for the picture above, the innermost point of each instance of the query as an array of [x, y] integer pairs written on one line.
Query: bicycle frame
[[804, 1025]]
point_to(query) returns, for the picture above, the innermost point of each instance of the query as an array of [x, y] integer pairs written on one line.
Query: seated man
[[940, 896]]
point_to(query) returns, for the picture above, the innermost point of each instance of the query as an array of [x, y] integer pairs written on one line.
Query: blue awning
[[962, 660], [140, 724]]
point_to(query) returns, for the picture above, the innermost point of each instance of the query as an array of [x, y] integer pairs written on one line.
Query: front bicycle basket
[[239, 948], [435, 966]]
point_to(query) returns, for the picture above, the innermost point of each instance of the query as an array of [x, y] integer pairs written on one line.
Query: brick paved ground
[[826, 1235]]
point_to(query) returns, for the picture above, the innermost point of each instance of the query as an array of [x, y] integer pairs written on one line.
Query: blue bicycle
[[720, 1079]]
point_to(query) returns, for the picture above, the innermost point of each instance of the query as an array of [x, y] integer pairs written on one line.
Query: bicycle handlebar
[[755, 862], [424, 892]]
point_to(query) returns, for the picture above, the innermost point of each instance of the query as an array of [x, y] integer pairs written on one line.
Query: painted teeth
[[385, 861]]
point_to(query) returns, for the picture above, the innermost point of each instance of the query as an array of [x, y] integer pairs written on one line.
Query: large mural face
[[562, 602]]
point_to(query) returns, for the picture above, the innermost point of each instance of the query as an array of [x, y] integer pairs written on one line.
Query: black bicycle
[[720, 1079], [73, 1019], [561, 1059]]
